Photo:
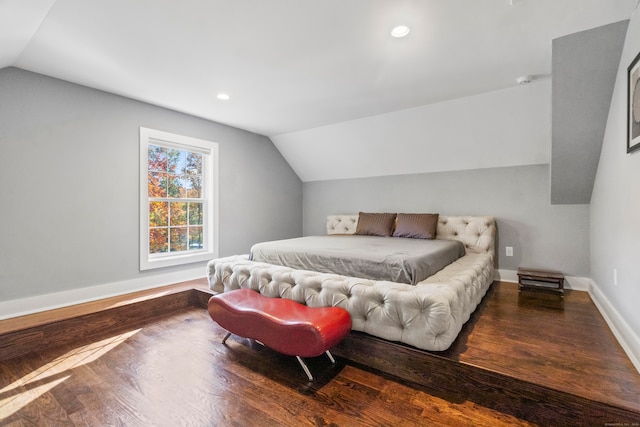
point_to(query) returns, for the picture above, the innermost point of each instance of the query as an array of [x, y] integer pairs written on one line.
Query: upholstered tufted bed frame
[[428, 315]]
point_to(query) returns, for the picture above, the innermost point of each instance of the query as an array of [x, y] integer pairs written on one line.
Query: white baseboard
[[505, 276], [627, 338], [38, 303]]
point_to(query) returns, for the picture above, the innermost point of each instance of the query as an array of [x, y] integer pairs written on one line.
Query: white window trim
[[210, 213]]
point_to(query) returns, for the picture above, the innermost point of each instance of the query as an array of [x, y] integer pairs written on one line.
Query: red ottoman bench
[[281, 324]]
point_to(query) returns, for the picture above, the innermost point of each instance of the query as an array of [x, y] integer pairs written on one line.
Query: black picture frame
[[633, 105]]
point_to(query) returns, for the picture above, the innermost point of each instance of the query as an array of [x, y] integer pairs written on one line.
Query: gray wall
[[615, 205], [69, 185], [542, 235], [584, 73]]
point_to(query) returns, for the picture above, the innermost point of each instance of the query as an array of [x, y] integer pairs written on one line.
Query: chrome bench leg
[[328, 353], [304, 366]]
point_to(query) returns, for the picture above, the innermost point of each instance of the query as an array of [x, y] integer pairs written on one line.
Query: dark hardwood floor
[[564, 344], [176, 372], [158, 360], [539, 357]]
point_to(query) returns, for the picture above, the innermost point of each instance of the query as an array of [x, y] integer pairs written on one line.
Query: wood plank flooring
[[538, 357], [176, 372], [522, 359], [562, 343]]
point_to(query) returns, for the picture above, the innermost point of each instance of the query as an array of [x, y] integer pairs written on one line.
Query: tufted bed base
[[428, 315]]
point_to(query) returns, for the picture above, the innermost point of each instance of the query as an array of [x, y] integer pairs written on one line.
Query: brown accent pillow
[[375, 224], [416, 226]]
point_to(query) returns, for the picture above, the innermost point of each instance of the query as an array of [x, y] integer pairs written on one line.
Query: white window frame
[[210, 194]]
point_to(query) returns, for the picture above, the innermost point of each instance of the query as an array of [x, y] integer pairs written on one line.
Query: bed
[[428, 314]]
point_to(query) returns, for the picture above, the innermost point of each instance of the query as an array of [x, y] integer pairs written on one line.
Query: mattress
[[394, 259]]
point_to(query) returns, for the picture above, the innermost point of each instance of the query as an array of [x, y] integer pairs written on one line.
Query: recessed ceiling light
[[223, 96], [400, 31]]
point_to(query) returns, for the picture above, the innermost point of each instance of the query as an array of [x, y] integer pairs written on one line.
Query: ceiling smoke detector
[[523, 80]]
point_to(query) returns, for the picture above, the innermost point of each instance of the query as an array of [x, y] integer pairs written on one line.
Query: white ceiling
[[291, 65]]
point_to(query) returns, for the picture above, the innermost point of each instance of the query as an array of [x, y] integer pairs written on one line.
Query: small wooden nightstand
[[541, 280]]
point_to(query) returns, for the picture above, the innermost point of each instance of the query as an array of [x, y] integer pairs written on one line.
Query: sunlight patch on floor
[[25, 390]]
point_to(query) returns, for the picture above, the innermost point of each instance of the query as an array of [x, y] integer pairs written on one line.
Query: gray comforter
[[394, 259]]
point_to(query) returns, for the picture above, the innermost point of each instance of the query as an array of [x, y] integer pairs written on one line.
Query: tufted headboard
[[476, 232]]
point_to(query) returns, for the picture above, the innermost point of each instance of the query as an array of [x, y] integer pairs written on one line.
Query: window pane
[[176, 186], [157, 158], [195, 214], [195, 238], [178, 213], [158, 241], [176, 161], [178, 239], [157, 184], [184, 185], [181, 167], [158, 214], [193, 164], [193, 186]]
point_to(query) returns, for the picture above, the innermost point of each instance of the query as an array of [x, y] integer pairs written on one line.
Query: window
[[178, 199]]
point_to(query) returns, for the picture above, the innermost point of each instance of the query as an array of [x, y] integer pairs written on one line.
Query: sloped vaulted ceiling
[[291, 66]]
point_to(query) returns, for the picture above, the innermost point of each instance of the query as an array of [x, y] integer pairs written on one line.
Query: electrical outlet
[[509, 250]]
